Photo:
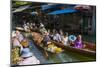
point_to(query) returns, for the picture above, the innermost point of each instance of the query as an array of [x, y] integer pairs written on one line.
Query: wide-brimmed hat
[[26, 53], [72, 37]]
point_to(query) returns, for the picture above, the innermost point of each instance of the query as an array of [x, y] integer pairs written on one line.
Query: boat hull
[[78, 50]]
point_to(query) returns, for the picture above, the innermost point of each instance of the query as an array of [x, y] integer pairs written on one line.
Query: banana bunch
[[53, 48], [58, 50]]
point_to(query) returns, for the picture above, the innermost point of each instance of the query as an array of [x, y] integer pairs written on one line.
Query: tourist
[[57, 37], [65, 39], [54, 31], [31, 26], [28, 24], [42, 29], [26, 28], [78, 42], [51, 35], [61, 34], [41, 25]]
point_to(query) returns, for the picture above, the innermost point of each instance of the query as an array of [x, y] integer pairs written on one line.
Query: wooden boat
[[88, 50], [37, 38]]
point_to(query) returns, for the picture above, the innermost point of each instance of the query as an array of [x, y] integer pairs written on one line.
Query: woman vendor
[[16, 39], [28, 58], [16, 48]]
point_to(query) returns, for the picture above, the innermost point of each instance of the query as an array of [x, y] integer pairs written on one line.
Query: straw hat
[[25, 43], [26, 53], [13, 34]]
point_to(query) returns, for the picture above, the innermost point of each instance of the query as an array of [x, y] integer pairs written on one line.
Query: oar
[[46, 54]]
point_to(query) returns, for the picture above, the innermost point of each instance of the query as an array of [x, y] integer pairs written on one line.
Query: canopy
[[63, 11], [50, 6]]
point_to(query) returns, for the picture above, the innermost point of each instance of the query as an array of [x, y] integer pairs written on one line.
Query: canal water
[[63, 57]]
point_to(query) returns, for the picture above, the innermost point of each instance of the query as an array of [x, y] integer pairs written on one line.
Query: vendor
[[26, 27], [78, 42], [28, 58], [16, 40], [19, 36], [16, 48]]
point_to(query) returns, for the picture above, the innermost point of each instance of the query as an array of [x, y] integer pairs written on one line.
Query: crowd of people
[[64, 38], [54, 34], [27, 57]]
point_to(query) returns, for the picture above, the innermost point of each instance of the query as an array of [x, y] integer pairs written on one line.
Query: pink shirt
[[29, 61]]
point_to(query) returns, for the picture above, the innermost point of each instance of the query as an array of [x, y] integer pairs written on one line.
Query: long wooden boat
[[88, 50], [37, 38]]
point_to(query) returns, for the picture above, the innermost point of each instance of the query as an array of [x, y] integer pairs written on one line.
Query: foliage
[[20, 3]]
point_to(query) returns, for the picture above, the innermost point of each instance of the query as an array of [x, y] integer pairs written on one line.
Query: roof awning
[[20, 9], [63, 11]]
